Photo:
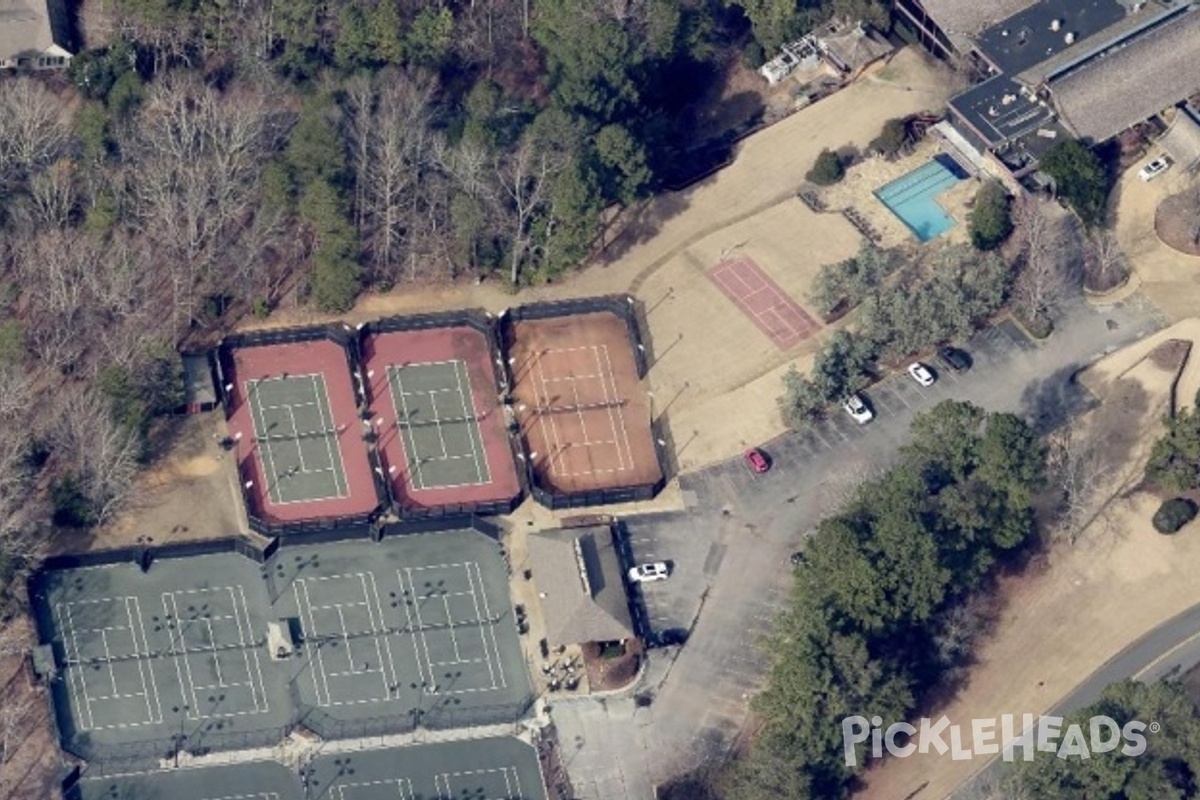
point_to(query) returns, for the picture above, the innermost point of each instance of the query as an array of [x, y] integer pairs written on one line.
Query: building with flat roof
[[1052, 68]]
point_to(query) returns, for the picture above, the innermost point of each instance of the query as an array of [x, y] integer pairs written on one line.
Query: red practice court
[[298, 438], [778, 316], [435, 404]]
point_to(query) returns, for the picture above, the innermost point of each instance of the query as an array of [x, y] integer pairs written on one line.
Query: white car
[[1154, 168], [857, 409], [921, 374], [645, 573]]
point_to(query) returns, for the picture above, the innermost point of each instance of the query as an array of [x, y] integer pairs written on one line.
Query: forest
[[205, 162]]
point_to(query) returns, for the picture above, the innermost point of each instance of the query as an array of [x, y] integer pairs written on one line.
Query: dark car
[[954, 358], [671, 637], [798, 559]]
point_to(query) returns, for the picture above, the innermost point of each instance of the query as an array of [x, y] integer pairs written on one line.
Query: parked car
[[671, 637], [954, 358], [757, 460], [857, 409], [1155, 168], [798, 559], [921, 374], [647, 573]]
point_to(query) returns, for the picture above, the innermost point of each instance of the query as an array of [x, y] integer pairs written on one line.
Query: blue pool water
[[912, 197]]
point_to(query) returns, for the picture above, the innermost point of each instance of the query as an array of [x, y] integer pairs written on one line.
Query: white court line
[[512, 782], [491, 628], [68, 624], [416, 607], [258, 422], [412, 589], [472, 429], [404, 788], [319, 675], [607, 369], [482, 634], [378, 625], [143, 664], [397, 389], [437, 424], [558, 448], [296, 441], [320, 391]]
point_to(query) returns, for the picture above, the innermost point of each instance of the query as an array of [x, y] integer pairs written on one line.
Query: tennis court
[[497, 768], [584, 417], [292, 412], [412, 630], [425, 630], [435, 407], [439, 424], [296, 438], [171, 655]]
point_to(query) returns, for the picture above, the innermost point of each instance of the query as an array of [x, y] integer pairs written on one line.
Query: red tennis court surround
[[325, 361], [778, 316], [456, 471]]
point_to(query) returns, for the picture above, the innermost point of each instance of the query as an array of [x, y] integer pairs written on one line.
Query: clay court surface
[[474, 769], [434, 402], [413, 630], [298, 437], [579, 404], [758, 297]]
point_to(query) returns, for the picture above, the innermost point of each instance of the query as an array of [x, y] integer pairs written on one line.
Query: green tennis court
[[296, 439], [438, 424]]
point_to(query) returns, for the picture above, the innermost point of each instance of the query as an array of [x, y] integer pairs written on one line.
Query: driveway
[[730, 549]]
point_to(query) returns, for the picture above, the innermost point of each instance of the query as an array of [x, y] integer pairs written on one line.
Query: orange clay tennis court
[[584, 416]]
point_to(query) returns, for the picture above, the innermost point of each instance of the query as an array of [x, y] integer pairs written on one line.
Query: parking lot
[[730, 550]]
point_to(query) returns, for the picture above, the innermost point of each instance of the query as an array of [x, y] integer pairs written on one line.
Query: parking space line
[[817, 433], [894, 389]]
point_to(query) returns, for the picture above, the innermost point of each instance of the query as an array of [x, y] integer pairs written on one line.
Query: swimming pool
[[912, 197]]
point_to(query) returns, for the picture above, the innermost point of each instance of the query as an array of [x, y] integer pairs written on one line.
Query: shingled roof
[[578, 576], [1131, 82], [966, 18]]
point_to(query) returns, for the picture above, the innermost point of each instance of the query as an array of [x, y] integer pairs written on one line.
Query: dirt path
[[717, 376], [1064, 621]]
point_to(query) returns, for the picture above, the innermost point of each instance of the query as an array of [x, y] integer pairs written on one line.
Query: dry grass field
[[717, 376], [1064, 619]]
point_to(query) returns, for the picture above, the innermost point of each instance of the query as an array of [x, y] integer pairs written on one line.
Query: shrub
[[827, 169], [991, 221], [891, 140], [1080, 179], [1173, 514], [753, 55]]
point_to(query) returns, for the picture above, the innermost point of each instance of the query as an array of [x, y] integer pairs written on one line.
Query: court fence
[[484, 323], [629, 310], [437, 717], [345, 337]]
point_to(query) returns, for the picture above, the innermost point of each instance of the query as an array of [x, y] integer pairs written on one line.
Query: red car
[[757, 460]]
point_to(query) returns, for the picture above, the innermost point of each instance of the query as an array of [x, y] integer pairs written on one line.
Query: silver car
[[857, 409]]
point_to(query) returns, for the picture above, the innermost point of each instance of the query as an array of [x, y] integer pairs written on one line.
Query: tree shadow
[[1050, 402]]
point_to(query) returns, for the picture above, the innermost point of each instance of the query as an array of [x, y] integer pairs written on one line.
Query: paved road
[[1169, 650], [730, 550]]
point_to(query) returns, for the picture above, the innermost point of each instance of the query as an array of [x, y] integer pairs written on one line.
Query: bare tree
[[34, 126], [1104, 267], [14, 712], [1077, 469], [525, 178], [1048, 270], [103, 455]]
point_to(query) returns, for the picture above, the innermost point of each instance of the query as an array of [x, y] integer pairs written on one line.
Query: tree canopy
[[991, 219], [883, 608], [1080, 179]]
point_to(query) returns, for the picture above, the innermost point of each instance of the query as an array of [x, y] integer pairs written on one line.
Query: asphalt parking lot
[[730, 549]]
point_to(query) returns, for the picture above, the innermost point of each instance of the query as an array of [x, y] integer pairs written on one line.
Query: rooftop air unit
[[1069, 38], [1055, 25]]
